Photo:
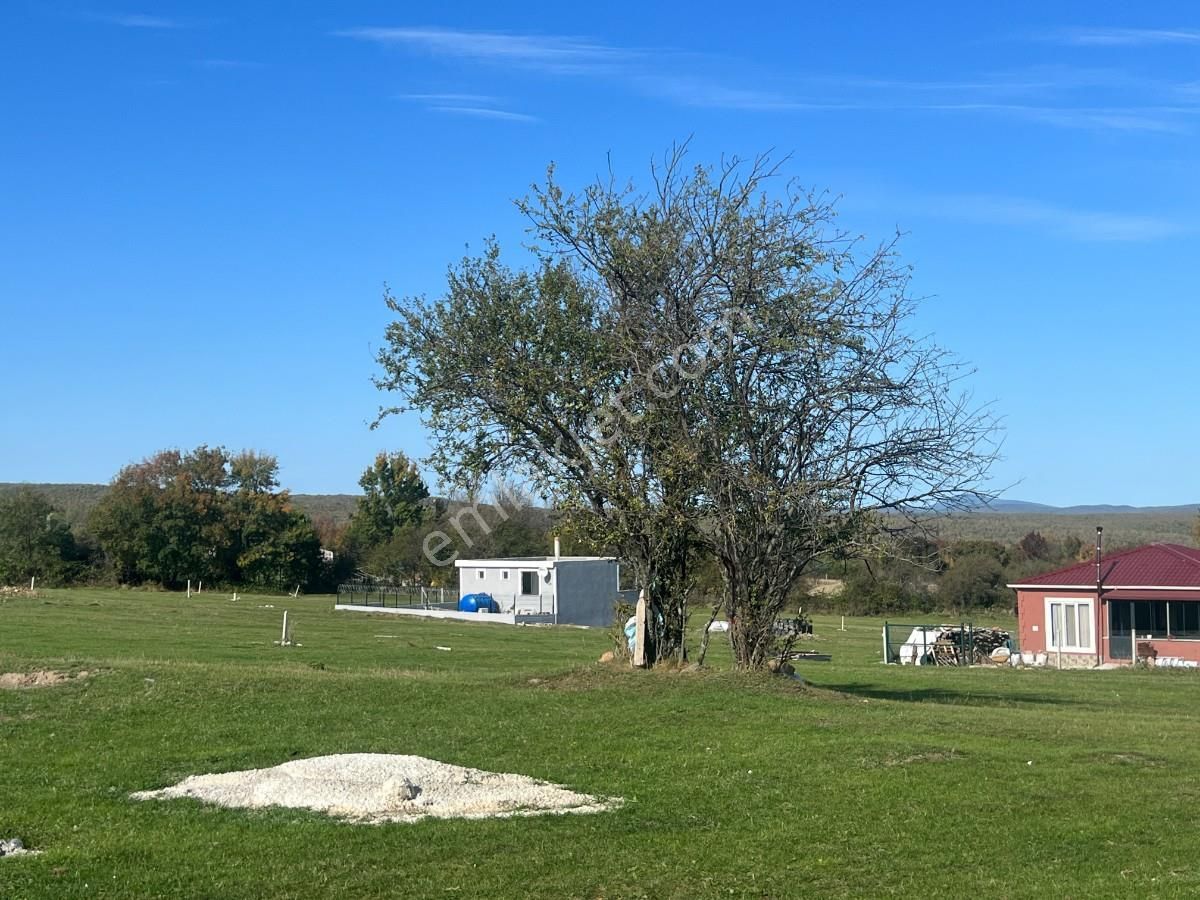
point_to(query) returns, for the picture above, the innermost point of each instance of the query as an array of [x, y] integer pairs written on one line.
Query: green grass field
[[876, 781]]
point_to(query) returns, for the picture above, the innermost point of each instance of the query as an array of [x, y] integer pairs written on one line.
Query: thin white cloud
[[546, 52], [708, 94], [218, 63], [1148, 119], [481, 112], [1162, 120], [1054, 95], [472, 99], [480, 106], [1075, 224], [1128, 37], [138, 20]]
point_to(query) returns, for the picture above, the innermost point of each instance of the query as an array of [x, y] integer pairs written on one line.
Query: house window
[[1150, 618], [1184, 618], [1069, 625], [504, 574], [529, 583], [481, 575]]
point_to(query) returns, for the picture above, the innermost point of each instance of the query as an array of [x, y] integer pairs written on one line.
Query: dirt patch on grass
[[375, 788], [582, 679], [598, 676], [894, 760], [15, 681], [1129, 758]]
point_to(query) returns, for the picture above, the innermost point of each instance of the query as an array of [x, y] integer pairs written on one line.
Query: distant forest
[[76, 501], [1123, 528]]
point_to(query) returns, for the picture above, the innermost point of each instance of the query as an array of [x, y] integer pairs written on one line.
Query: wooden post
[[639, 640], [189, 588]]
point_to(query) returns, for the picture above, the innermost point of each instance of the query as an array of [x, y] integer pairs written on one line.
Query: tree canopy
[[699, 365], [35, 541], [393, 499], [204, 515]]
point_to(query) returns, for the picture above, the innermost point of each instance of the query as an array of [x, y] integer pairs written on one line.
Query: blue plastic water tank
[[477, 603]]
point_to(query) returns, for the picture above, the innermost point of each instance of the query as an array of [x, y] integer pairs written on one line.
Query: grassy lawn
[[877, 781]]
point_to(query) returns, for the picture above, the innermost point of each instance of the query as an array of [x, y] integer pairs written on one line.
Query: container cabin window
[[529, 583], [1069, 624]]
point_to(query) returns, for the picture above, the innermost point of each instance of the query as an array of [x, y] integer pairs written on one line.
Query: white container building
[[569, 590]]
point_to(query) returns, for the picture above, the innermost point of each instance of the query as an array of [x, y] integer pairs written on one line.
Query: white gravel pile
[[384, 787]]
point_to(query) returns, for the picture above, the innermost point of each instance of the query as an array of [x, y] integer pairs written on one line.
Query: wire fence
[[959, 644], [396, 596]]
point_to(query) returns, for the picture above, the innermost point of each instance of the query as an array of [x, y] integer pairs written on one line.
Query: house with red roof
[[1144, 601]]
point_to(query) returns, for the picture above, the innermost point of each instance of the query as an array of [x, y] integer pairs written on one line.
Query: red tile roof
[[1154, 565]]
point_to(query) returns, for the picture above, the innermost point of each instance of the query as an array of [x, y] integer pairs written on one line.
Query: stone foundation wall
[[1072, 660], [1069, 661]]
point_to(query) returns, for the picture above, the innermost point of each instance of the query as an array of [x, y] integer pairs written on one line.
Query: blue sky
[[202, 203]]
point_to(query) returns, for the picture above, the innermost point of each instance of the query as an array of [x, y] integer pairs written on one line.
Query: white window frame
[[1088, 604]]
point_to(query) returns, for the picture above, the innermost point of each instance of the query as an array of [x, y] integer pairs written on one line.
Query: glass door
[[1120, 629]]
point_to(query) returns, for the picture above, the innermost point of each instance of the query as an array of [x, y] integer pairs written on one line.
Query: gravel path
[[383, 787]]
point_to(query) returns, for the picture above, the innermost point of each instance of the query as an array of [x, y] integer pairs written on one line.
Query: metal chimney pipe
[[556, 547]]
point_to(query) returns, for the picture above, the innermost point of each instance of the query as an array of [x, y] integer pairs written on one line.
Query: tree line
[[203, 515], [218, 517], [221, 518]]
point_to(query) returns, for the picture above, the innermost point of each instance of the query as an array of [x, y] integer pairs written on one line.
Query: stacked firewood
[[800, 626], [957, 646]]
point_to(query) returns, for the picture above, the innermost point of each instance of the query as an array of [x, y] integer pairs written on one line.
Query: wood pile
[[957, 646], [799, 626]]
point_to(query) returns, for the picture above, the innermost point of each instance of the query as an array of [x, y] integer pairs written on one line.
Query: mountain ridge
[[77, 499]]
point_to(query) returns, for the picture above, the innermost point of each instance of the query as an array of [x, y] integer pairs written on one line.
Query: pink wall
[[1031, 611]]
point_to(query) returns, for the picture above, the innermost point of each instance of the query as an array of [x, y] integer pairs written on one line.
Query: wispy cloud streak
[[218, 63], [1127, 37], [474, 99], [1075, 224], [547, 52], [479, 106], [481, 112], [137, 20], [1053, 95]]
